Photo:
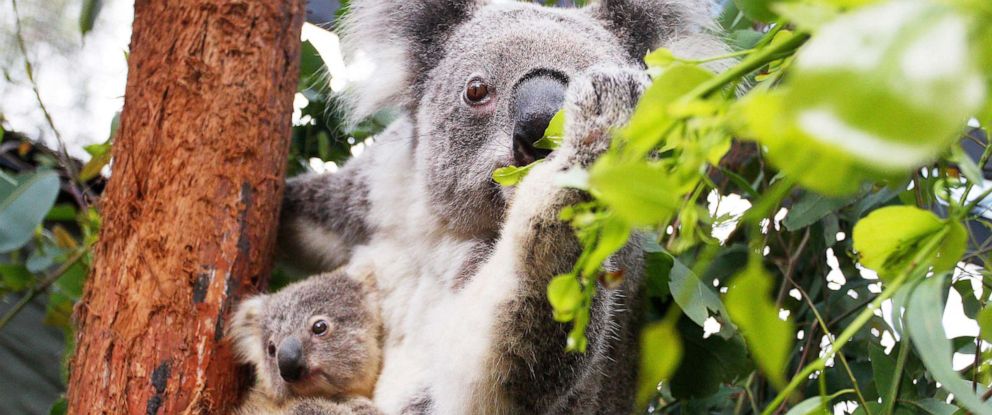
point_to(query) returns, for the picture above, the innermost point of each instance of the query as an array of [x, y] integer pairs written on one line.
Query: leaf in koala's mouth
[[554, 133], [511, 175]]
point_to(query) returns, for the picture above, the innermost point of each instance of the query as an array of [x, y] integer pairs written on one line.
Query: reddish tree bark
[[190, 212]]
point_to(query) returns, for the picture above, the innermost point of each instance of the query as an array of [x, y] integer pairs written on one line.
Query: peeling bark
[[189, 215]]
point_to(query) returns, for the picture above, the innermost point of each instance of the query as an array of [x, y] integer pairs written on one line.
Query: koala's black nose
[[536, 100], [290, 358]]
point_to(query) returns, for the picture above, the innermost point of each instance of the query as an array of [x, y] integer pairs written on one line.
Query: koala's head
[[315, 337], [482, 79]]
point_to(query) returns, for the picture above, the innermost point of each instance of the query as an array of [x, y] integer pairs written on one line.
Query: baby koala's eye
[[272, 349], [476, 91], [319, 327]]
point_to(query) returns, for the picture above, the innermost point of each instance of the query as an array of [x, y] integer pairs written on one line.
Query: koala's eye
[[271, 349], [476, 91], [319, 327]]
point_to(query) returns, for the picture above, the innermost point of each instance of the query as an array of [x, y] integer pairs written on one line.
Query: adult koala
[[463, 264]]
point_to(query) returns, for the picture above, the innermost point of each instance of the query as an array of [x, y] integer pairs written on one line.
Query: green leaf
[[888, 238], [810, 406], [651, 117], [932, 406], [809, 209], [639, 193], [924, 322], [62, 212], [661, 351], [867, 101], [745, 39], [660, 59], [60, 407], [42, 259], [565, 296], [511, 175], [758, 10], [707, 363], [94, 166], [883, 369], [696, 299], [751, 306], [985, 322], [15, 276], [816, 404], [23, 208], [96, 150], [554, 134], [807, 16], [87, 17], [71, 282], [612, 236]]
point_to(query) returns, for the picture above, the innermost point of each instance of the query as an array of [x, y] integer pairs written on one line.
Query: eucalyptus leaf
[[23, 209], [661, 351], [924, 322], [639, 193], [696, 299], [810, 406], [845, 114], [554, 134], [809, 209], [888, 238], [512, 175], [88, 15], [651, 118], [752, 308], [565, 296]]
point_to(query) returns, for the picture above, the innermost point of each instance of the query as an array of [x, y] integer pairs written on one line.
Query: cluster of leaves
[[855, 201]]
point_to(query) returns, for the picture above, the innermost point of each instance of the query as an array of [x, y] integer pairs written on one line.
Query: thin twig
[[64, 158]]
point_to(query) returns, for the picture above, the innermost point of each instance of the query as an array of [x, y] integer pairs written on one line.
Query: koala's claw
[[599, 101]]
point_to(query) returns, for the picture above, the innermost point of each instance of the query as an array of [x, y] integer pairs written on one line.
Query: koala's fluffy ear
[[396, 43], [245, 331], [644, 25]]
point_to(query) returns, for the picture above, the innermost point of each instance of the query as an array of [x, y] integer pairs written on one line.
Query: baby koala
[[315, 346]]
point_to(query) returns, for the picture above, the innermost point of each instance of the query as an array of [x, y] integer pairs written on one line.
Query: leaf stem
[[746, 66], [890, 404]]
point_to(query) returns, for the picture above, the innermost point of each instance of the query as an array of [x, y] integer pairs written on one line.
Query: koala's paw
[[597, 103]]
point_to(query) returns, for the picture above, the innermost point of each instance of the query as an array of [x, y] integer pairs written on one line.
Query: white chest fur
[[439, 327]]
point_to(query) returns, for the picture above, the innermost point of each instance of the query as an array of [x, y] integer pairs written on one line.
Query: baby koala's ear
[[245, 332]]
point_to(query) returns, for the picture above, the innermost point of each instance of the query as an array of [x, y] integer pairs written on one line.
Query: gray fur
[[426, 53], [342, 365]]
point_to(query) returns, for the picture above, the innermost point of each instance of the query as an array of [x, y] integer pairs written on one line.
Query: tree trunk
[[189, 215]]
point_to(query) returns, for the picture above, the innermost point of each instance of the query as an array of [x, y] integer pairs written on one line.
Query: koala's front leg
[[536, 373]]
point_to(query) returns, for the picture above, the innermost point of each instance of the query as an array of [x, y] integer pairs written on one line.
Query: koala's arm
[[540, 377], [325, 215]]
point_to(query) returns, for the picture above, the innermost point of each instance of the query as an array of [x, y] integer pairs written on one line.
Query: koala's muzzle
[[290, 359], [537, 98]]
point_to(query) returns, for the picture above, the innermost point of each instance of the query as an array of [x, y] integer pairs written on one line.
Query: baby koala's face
[[316, 337]]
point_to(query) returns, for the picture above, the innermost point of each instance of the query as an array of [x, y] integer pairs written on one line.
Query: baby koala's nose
[[290, 359], [536, 100]]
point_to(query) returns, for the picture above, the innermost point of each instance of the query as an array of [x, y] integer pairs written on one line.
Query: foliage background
[[806, 214]]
